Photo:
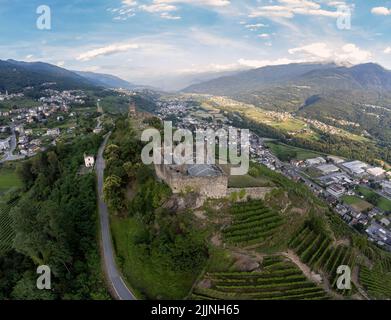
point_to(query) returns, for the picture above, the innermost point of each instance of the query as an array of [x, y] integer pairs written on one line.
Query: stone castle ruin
[[207, 180]]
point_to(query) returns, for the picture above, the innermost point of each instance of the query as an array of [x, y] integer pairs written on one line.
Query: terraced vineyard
[[316, 250], [376, 282], [6, 231], [279, 280], [252, 223]]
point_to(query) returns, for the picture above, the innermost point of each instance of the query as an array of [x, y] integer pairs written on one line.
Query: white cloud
[[387, 50], [290, 8], [264, 63], [208, 3], [320, 51], [60, 63], [165, 7], [264, 36], [168, 16], [158, 7], [130, 3], [107, 50], [255, 27], [381, 11]]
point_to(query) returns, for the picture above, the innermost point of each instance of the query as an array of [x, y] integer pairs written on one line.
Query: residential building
[[5, 144], [89, 161], [336, 190]]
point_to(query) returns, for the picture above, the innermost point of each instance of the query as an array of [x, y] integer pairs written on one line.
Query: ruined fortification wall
[[211, 187], [258, 193]]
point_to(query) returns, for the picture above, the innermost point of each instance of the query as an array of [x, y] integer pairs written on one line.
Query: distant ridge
[[107, 80], [368, 76], [16, 75]]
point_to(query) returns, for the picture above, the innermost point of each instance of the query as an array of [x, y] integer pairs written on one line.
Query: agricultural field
[[377, 283], [375, 199], [316, 249], [247, 181], [6, 230], [357, 204], [287, 153], [277, 279], [23, 102], [253, 223], [115, 104], [8, 179]]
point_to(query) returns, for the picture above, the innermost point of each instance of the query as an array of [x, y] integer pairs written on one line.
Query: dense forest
[[55, 224]]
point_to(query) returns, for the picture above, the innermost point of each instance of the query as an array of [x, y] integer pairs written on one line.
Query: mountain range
[[16, 75], [107, 80], [360, 94], [328, 77]]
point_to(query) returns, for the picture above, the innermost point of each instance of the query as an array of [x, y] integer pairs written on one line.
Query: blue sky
[[150, 41]]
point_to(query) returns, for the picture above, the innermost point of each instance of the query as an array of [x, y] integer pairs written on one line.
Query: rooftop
[[203, 170]]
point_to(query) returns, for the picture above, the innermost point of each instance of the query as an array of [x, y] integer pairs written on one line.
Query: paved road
[[113, 276]]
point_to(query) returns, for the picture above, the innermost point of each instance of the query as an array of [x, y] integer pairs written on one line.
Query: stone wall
[[254, 193], [211, 187]]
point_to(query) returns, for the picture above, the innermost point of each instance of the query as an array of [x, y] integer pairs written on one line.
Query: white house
[[376, 172], [53, 132], [5, 144], [89, 161]]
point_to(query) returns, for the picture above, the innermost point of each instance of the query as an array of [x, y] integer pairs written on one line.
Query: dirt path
[[317, 278], [303, 267]]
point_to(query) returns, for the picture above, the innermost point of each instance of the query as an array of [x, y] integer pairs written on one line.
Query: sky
[[156, 41]]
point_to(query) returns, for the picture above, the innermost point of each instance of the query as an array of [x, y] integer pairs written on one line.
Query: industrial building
[[356, 168], [315, 161], [327, 168], [376, 172]]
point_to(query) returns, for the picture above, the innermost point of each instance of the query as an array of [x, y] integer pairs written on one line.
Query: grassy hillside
[[287, 246]]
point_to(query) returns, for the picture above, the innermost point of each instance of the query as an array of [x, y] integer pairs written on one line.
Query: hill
[[324, 77], [288, 245], [107, 80], [355, 98], [16, 75]]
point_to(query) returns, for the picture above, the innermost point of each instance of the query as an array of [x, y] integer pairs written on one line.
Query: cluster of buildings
[[338, 178], [334, 177], [6, 96], [55, 106]]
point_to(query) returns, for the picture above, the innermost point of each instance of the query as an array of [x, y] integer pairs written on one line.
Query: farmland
[[376, 282], [374, 198], [6, 230], [317, 250], [287, 153], [8, 179], [357, 204], [278, 279], [252, 224]]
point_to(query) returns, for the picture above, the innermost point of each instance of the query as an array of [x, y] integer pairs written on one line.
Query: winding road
[[113, 276]]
